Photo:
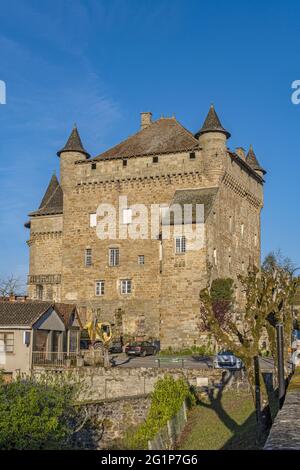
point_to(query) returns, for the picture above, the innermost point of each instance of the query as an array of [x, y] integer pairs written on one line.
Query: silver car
[[227, 360]]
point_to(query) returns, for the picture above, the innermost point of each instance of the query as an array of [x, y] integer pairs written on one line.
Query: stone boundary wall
[[285, 432], [99, 383], [112, 419]]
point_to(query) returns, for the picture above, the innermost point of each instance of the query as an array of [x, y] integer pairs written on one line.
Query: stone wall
[[116, 400], [164, 302], [99, 383], [46, 255], [285, 432], [113, 419]]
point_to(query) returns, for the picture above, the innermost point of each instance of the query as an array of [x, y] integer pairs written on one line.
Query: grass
[[225, 423]]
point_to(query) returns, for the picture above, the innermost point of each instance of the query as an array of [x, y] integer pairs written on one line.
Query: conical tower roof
[[253, 162], [212, 123], [74, 144], [52, 202]]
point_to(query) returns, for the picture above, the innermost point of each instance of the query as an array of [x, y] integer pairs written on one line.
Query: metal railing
[[54, 359]]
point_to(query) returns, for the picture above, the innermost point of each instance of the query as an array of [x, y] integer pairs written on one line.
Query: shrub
[[166, 401], [222, 289], [204, 350], [35, 415]]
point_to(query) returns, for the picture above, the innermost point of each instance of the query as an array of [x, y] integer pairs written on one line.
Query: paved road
[[191, 362]]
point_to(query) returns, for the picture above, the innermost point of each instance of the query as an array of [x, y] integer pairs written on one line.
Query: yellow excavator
[[100, 333]]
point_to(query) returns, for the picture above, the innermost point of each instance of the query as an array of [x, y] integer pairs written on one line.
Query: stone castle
[[154, 282]]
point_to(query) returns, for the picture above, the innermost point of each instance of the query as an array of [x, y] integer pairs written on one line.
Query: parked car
[[227, 360], [140, 348], [116, 347]]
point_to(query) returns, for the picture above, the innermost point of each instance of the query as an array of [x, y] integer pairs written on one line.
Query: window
[[124, 162], [255, 240], [126, 286], [127, 216], [99, 288], [88, 257], [6, 342], [39, 292], [114, 257], [192, 156], [141, 259], [215, 257], [93, 220], [155, 160], [94, 166], [180, 245], [242, 230], [40, 340]]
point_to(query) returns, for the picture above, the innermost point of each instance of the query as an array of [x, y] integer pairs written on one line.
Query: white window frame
[[126, 286], [4, 347], [127, 216], [180, 244], [93, 220], [88, 257], [99, 288], [114, 256]]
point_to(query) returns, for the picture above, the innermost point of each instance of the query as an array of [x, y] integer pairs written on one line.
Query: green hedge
[[194, 350]]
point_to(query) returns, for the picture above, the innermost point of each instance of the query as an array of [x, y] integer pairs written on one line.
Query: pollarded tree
[[268, 300]]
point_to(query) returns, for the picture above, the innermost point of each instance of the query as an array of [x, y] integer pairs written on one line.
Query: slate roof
[[26, 313], [74, 144], [205, 196], [52, 202], [253, 162], [212, 123], [166, 135], [22, 313], [65, 311]]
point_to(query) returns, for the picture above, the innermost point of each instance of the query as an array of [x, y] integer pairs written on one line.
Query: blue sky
[[99, 63]]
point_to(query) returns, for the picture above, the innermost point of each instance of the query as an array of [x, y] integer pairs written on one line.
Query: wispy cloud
[[46, 94]]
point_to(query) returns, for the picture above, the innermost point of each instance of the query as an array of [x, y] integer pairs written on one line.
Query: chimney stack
[[146, 120]]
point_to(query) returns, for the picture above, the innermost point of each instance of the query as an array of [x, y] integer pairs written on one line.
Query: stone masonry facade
[[162, 164]]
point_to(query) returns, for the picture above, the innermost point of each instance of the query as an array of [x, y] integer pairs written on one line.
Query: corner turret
[[254, 163], [72, 152], [213, 142]]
